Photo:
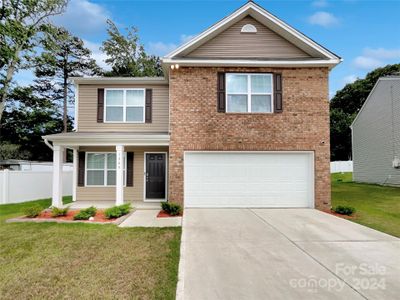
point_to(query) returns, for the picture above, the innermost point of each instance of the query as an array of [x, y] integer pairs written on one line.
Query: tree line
[[30, 41]]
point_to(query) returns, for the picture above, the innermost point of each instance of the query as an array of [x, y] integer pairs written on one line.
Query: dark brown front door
[[155, 175]]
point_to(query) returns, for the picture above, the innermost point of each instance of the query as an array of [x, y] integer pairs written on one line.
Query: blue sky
[[365, 33]]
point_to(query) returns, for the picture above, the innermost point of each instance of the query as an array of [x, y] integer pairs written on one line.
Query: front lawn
[[85, 261], [377, 206]]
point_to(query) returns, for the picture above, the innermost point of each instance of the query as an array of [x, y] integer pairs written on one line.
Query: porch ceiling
[[80, 138]]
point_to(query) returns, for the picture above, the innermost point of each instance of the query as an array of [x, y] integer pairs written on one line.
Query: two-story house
[[241, 119]]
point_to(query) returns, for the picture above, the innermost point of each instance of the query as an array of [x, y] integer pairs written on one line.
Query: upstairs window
[[124, 105], [249, 93]]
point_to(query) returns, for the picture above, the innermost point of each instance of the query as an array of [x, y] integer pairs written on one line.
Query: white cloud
[[320, 3], [97, 54], [161, 48], [373, 58], [323, 18], [186, 38], [83, 17], [350, 78]]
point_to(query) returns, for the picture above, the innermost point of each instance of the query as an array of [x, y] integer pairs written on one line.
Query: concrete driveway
[[284, 254]]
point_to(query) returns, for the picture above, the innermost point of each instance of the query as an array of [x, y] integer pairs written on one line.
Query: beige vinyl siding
[[234, 44], [87, 110], [134, 193], [376, 140]]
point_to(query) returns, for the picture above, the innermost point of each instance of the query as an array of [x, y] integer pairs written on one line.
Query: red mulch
[[164, 214], [331, 212], [99, 217]]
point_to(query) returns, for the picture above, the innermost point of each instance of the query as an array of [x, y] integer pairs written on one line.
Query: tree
[[63, 56], [345, 105], [21, 22], [127, 56], [27, 117]]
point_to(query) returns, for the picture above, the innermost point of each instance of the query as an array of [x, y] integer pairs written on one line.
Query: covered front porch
[[112, 168]]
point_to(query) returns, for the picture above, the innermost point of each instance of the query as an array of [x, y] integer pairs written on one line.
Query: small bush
[[171, 208], [33, 211], [344, 210], [85, 214], [59, 212], [117, 211]]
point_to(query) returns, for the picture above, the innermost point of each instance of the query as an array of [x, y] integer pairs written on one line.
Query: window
[[101, 169], [249, 93], [124, 105]]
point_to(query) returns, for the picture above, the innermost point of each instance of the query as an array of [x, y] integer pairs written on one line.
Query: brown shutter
[[100, 105], [221, 92], [129, 169], [278, 105], [149, 104], [81, 169]]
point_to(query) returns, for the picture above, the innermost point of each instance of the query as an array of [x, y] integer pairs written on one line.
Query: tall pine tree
[[63, 56]]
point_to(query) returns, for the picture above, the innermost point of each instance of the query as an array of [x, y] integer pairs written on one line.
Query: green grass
[[85, 261], [377, 206]]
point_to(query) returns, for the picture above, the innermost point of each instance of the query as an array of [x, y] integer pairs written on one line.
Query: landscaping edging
[[24, 219]]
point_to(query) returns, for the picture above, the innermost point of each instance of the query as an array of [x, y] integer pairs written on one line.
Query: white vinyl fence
[[21, 186], [341, 166]]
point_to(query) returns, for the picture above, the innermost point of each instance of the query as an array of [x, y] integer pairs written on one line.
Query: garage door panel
[[262, 179]]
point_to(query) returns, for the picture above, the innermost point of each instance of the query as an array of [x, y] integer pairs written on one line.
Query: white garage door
[[249, 179]]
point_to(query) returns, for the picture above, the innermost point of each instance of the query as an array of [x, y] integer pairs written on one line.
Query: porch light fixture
[[176, 66]]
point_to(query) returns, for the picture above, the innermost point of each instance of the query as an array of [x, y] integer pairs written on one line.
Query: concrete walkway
[[284, 254], [148, 218]]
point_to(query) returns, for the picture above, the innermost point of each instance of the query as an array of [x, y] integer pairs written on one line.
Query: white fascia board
[[252, 63], [140, 140], [119, 80], [253, 10]]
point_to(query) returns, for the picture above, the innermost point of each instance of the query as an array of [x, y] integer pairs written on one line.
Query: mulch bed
[[99, 217], [164, 214], [331, 212]]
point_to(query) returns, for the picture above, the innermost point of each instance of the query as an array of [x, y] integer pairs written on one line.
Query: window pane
[[236, 83], [237, 103], [95, 161], [95, 177], [114, 113], [114, 97], [135, 97], [261, 83], [134, 114], [111, 161], [261, 103], [111, 177]]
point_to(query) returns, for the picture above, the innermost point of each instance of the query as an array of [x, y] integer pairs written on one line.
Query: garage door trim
[[311, 201]]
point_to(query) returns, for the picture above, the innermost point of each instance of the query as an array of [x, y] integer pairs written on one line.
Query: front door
[[155, 175]]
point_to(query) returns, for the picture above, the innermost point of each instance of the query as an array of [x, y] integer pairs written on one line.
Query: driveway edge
[[181, 269]]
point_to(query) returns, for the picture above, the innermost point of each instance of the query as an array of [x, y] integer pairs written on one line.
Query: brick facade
[[195, 123]]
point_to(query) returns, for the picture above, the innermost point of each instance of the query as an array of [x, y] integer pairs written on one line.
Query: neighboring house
[[241, 119], [376, 135]]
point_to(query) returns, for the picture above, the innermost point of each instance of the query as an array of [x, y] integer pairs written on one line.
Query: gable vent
[[249, 28]]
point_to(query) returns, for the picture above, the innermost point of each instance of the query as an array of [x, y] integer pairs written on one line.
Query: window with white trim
[[249, 92], [101, 169], [124, 105]]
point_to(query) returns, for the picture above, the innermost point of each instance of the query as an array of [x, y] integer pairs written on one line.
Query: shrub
[[344, 210], [59, 212], [117, 211], [171, 208], [33, 211], [85, 214]]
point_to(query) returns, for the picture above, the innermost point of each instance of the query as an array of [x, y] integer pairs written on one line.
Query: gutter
[[48, 144]]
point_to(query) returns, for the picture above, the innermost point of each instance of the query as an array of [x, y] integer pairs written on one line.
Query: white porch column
[[57, 175], [75, 173], [119, 199]]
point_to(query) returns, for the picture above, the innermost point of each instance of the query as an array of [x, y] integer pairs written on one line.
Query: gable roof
[[319, 54], [387, 78]]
